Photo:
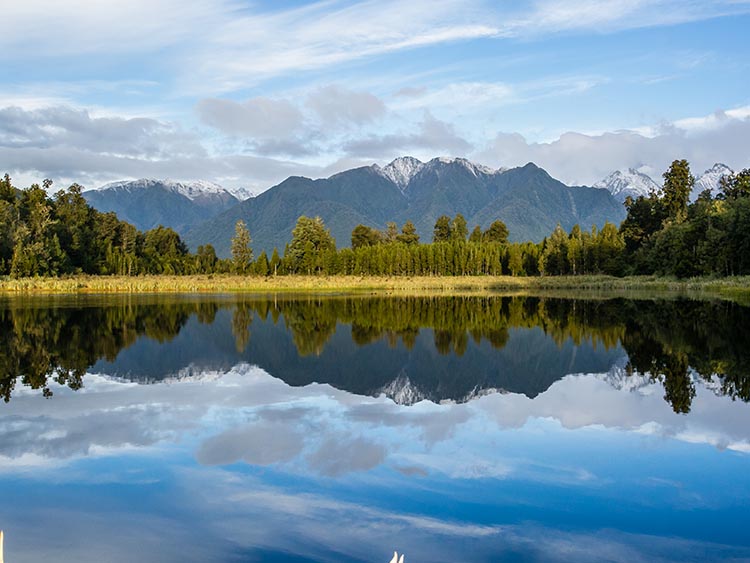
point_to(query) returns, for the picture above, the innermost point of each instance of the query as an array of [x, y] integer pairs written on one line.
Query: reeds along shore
[[335, 284]]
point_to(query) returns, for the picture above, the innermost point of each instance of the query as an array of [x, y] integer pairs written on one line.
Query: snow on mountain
[[630, 182], [191, 190], [475, 169], [710, 179], [402, 170], [242, 193]]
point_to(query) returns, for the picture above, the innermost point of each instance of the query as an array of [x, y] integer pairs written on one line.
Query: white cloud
[[578, 158], [431, 136], [263, 118], [52, 28], [338, 106]]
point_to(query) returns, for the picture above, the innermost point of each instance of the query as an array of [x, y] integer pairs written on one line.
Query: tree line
[[663, 233], [41, 345]]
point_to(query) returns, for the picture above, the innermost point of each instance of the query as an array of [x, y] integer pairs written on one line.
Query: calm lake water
[[166, 429]]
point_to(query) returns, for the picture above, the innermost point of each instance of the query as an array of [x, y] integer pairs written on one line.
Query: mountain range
[[148, 203], [527, 199]]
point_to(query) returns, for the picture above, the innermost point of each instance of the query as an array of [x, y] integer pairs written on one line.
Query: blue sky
[[247, 93]]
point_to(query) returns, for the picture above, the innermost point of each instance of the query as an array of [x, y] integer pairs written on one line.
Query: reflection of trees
[[241, 320], [670, 340], [665, 339], [61, 343]]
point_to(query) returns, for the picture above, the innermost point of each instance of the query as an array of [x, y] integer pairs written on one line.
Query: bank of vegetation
[[663, 235]]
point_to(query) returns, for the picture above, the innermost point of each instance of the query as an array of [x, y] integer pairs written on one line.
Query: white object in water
[[395, 559]]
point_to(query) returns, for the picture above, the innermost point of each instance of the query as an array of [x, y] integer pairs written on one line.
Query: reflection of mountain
[[529, 363], [410, 349]]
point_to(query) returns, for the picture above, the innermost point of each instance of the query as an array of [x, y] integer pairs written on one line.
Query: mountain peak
[[711, 179], [402, 169], [475, 169], [630, 182]]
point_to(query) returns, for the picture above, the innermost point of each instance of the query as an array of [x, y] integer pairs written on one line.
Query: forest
[[663, 234]]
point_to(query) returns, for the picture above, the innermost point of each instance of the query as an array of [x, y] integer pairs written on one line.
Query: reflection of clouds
[[396, 477], [248, 416], [579, 401], [337, 456], [325, 528], [259, 444]]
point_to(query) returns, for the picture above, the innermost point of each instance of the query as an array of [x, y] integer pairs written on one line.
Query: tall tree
[[311, 239], [678, 183], [408, 234], [362, 235], [391, 232], [497, 232], [242, 253], [442, 230], [459, 229]]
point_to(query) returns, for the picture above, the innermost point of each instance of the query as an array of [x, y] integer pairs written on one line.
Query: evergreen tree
[[736, 185], [310, 239], [391, 232], [476, 235], [275, 262], [678, 183], [408, 234], [363, 235], [442, 230], [261, 266], [242, 253], [497, 232], [459, 229]]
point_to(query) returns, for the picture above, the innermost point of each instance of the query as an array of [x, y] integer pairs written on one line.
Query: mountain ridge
[[526, 198]]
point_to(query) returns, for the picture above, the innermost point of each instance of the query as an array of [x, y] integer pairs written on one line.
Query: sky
[[246, 93]]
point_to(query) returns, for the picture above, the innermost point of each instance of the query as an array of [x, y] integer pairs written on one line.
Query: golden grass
[[738, 286]]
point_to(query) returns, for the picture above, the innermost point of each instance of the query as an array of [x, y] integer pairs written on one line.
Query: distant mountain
[[628, 183], [710, 179], [527, 199], [148, 203]]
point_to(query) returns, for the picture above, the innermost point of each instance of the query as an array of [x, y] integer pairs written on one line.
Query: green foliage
[[311, 241], [497, 232], [242, 253], [442, 230], [459, 230], [664, 235], [736, 186], [675, 194], [363, 235], [408, 234]]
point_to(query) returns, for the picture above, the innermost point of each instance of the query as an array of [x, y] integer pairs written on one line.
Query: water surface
[[341, 428]]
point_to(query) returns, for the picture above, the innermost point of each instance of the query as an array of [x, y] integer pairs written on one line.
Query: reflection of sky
[[243, 467]]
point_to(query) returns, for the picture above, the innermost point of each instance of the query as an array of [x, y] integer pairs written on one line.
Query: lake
[[342, 428]]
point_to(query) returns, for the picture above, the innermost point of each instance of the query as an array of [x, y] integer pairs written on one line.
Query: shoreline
[[725, 287]]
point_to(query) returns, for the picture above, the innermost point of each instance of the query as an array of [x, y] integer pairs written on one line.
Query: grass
[[737, 287]]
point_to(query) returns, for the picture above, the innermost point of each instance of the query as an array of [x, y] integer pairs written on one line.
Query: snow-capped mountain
[[147, 203], [191, 190], [242, 193], [630, 182], [710, 180], [402, 170]]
